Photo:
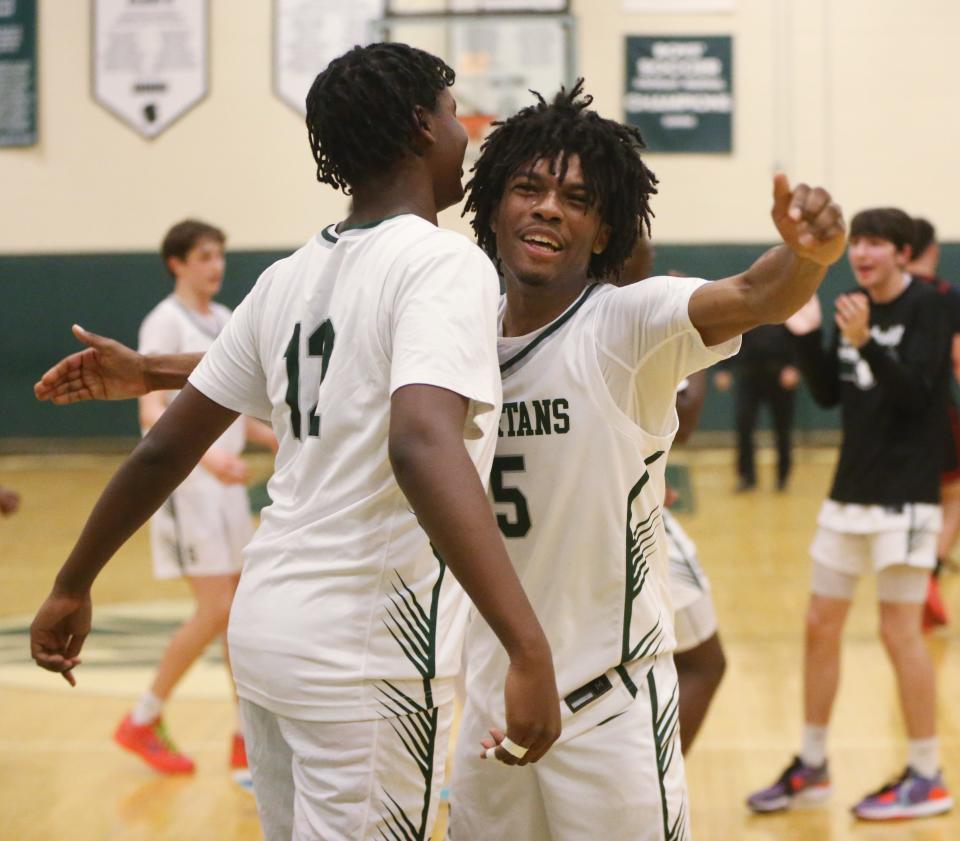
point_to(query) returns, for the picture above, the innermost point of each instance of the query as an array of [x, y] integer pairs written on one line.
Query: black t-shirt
[[767, 348], [952, 295], [893, 393]]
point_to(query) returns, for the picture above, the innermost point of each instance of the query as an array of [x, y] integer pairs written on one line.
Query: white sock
[[923, 755], [147, 709], [814, 751]]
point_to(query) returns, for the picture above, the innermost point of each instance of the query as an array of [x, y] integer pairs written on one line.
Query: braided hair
[[360, 110], [609, 154]]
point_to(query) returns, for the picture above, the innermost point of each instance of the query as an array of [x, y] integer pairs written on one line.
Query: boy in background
[[202, 528], [888, 367]]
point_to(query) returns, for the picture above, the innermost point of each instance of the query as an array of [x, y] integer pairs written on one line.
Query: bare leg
[[903, 639], [214, 595], [699, 672], [821, 657]]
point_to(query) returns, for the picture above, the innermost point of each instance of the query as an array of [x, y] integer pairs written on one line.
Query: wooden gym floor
[[61, 776]]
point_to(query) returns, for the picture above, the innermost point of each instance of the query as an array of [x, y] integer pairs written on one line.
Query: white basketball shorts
[[201, 529], [621, 780]]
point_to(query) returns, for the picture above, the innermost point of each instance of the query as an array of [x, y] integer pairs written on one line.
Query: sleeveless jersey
[[578, 488]]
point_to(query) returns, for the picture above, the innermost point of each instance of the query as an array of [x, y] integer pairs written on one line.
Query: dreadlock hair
[[609, 154], [360, 110], [889, 223]]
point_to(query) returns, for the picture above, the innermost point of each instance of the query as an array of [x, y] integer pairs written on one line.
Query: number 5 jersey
[[578, 483]]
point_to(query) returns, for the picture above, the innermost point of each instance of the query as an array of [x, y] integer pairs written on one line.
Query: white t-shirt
[[172, 327], [578, 483], [343, 611]]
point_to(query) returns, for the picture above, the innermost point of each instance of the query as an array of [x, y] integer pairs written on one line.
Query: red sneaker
[[934, 612], [152, 744], [238, 753]]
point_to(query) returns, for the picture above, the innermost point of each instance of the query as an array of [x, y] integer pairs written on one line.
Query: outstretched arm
[[782, 280], [109, 370], [161, 461], [435, 472]]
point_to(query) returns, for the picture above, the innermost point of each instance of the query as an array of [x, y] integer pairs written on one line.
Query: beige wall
[[858, 94]]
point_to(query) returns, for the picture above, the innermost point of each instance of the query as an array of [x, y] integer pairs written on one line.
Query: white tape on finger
[[513, 748], [509, 746]]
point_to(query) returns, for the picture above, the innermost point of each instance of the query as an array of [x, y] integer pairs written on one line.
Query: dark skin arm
[[782, 280], [109, 370], [435, 473], [161, 461]]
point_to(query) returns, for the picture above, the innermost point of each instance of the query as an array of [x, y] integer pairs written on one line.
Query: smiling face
[[876, 262], [546, 229]]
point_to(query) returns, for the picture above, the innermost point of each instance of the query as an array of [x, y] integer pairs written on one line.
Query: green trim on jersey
[[416, 726], [556, 325], [627, 681], [332, 235], [666, 739], [640, 538], [415, 629]]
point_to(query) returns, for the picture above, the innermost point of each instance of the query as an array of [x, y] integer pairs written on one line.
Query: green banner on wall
[[18, 72], [679, 92]]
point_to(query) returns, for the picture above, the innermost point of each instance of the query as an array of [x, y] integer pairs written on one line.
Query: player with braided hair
[[372, 350], [590, 373], [620, 182]]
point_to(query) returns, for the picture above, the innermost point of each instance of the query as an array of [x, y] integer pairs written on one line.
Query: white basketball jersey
[[688, 581], [172, 327], [578, 485], [343, 611]]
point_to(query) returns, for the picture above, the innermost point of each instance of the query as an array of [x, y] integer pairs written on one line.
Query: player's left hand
[[58, 631], [809, 221], [853, 318]]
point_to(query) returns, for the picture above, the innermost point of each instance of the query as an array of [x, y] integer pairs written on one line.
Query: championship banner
[[18, 72], [309, 34], [679, 92], [150, 60]]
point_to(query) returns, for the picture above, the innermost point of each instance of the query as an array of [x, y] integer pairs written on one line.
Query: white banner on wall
[[508, 5], [150, 59], [677, 7], [309, 34]]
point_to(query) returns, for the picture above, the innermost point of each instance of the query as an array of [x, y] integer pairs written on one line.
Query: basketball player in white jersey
[[587, 483], [590, 373], [372, 350], [698, 656], [200, 531]]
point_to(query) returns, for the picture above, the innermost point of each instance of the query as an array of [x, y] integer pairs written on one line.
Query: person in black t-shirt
[[888, 366], [762, 372], [923, 266]]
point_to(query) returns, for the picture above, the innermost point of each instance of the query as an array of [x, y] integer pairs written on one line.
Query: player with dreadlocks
[[372, 349], [590, 373]]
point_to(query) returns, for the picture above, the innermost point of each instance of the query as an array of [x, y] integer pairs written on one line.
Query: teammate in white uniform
[[370, 348], [589, 375], [201, 530], [698, 657]]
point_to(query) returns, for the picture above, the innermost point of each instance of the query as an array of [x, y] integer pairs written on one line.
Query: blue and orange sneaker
[[799, 785], [909, 796]]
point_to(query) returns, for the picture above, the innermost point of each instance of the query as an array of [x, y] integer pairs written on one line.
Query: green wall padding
[[111, 293]]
